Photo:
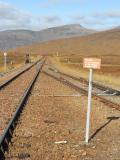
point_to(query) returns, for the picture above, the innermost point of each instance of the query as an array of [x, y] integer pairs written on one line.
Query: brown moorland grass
[[109, 75], [103, 44], [71, 51], [14, 60]]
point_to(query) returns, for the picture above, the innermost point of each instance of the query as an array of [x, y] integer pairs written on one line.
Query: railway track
[[105, 90], [5, 80], [51, 125], [13, 94], [13, 70], [111, 99], [12, 73], [7, 133]]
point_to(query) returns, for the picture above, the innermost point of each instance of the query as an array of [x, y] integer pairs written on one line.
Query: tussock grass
[[71, 51], [15, 60], [103, 76]]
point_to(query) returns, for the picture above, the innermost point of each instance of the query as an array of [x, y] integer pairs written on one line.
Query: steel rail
[[12, 70], [96, 85], [8, 132], [17, 75], [70, 84]]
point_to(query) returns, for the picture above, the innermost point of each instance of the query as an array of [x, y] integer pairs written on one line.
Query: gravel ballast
[[52, 126]]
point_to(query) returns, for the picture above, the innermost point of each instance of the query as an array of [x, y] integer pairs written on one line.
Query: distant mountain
[[104, 45], [15, 38]]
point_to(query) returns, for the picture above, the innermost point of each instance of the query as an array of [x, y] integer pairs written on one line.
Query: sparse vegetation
[[107, 75], [15, 60], [68, 54]]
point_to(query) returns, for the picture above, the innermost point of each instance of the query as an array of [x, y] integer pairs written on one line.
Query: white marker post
[[89, 107], [90, 63], [5, 62]]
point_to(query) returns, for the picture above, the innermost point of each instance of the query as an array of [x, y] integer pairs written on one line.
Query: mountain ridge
[[15, 38]]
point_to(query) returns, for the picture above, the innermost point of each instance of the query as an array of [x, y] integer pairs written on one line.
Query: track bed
[[107, 98], [12, 73], [52, 114], [11, 95]]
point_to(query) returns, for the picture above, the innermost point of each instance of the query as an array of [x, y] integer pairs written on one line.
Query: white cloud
[[48, 3], [13, 18], [98, 20], [52, 19], [108, 14]]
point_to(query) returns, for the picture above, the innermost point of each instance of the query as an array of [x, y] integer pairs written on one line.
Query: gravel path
[[50, 117]]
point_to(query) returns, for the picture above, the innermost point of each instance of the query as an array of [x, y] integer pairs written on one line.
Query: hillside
[[103, 44], [67, 54], [15, 38]]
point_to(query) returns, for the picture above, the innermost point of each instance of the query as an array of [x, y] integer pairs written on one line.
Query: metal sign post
[[88, 107], [90, 63], [5, 62]]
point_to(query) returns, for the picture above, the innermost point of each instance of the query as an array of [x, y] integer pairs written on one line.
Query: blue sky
[[40, 14]]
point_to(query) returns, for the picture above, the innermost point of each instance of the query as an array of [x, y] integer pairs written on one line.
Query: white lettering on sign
[[93, 63]]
